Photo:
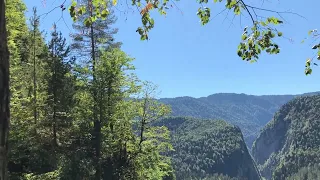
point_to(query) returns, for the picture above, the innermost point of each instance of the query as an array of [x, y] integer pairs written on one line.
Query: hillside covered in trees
[[205, 149], [251, 113], [70, 113], [288, 147]]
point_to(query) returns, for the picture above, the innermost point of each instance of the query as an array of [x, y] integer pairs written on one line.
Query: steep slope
[[248, 112], [291, 140], [205, 148], [251, 113], [312, 172]]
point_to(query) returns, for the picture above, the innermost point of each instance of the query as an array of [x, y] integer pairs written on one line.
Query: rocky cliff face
[[291, 140], [272, 137]]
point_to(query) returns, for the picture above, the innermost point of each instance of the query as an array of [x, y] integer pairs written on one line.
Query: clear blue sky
[[187, 59]]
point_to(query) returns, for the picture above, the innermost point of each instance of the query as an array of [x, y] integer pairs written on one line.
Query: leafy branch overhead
[[255, 39], [309, 63]]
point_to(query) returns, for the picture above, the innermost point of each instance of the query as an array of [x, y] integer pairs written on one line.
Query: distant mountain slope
[[206, 148], [249, 112], [291, 141]]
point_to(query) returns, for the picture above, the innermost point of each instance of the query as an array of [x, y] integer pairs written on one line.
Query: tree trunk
[[4, 93], [34, 75], [143, 123], [54, 123], [97, 122]]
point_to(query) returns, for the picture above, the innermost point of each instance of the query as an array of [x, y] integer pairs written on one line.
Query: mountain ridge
[[250, 112], [261, 95]]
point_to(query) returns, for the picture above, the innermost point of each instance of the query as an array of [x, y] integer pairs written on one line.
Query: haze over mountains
[[250, 112]]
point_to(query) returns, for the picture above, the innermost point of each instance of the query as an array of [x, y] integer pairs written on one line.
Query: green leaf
[[315, 46], [233, 2], [280, 22], [244, 37], [104, 13], [256, 47], [203, 1], [72, 11], [151, 21], [144, 37], [279, 34], [256, 34], [74, 3], [204, 15], [308, 71], [237, 10], [308, 62], [80, 11], [114, 2], [263, 23], [93, 19], [87, 22]]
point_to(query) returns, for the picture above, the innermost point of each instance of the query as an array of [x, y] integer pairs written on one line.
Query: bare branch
[[218, 14], [177, 7], [232, 21], [60, 17], [241, 21], [284, 20], [65, 23], [226, 16], [273, 11], [246, 7], [255, 13], [59, 6]]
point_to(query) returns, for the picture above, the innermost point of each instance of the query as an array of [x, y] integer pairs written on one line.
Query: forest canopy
[[73, 106]]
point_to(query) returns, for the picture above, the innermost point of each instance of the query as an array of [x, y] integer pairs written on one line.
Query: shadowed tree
[[4, 93]]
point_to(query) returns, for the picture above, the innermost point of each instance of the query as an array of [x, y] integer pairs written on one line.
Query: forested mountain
[[205, 149], [288, 147], [251, 113]]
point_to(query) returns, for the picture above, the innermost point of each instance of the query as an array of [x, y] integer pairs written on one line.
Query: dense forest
[[79, 111], [205, 149], [288, 146], [73, 106]]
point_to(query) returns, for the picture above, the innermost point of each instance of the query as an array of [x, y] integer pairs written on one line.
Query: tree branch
[[273, 11], [59, 6], [246, 7]]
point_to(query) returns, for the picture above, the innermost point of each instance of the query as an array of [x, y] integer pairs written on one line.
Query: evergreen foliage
[[291, 140], [72, 121], [205, 149]]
